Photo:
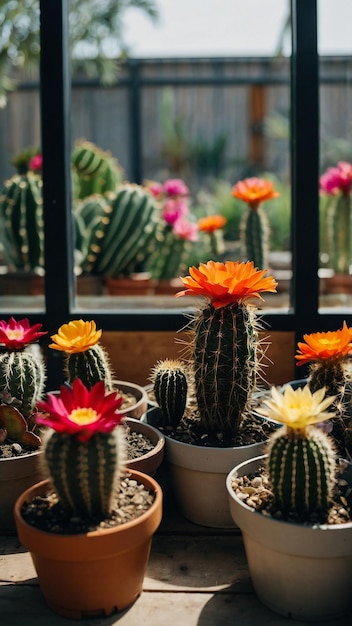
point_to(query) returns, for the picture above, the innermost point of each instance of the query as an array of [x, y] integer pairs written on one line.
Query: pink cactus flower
[[156, 189], [174, 209], [175, 187], [36, 163], [185, 229], [337, 179]]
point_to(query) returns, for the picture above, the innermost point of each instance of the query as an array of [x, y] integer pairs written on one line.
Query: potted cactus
[[89, 526], [254, 226], [205, 399], [293, 506], [22, 380]]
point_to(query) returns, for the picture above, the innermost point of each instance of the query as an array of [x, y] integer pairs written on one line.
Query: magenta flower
[[175, 187], [174, 209], [80, 411], [36, 163], [16, 335], [337, 179], [156, 189], [185, 229]]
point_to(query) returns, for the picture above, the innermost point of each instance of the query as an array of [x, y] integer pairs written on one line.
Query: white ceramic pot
[[299, 571], [198, 475]]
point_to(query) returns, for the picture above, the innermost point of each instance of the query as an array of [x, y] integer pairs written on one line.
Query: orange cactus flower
[[226, 283], [331, 345], [254, 191], [211, 222], [76, 336]]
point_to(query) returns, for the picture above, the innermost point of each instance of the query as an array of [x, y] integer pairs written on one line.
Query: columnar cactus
[[85, 357], [328, 355], [22, 377], [85, 455], [95, 171], [224, 341], [21, 220], [254, 227], [120, 228], [301, 457], [170, 389]]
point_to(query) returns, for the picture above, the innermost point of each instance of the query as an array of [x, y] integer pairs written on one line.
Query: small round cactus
[[170, 389]]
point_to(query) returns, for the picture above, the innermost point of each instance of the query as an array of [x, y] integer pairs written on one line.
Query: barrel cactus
[[120, 229], [225, 347], [22, 223], [301, 460], [254, 227], [85, 357], [85, 453], [94, 170], [170, 389]]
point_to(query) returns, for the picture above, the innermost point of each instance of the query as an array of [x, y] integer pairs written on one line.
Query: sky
[[229, 27]]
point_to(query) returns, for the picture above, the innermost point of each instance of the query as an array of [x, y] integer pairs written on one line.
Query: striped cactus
[[301, 469], [339, 223], [90, 366], [21, 222], [22, 376], [254, 236], [120, 229], [85, 474], [171, 256], [94, 170], [170, 389]]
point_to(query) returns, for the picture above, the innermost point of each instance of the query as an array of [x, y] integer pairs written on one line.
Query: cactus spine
[[22, 224], [90, 366], [225, 356], [254, 235], [170, 389], [85, 474], [95, 171], [301, 468], [340, 233], [22, 376], [121, 230]]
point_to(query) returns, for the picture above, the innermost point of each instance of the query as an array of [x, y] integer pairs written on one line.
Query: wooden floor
[[196, 576]]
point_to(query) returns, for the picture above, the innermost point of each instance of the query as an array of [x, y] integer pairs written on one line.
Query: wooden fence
[[194, 118]]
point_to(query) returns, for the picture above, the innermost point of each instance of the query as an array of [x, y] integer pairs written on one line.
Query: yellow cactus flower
[[298, 408], [76, 336]]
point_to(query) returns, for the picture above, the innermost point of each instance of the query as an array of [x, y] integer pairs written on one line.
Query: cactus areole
[[225, 341]]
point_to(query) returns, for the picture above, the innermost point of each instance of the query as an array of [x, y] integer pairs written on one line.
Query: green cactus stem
[[170, 389], [301, 469], [121, 230], [90, 366], [95, 171], [254, 236], [170, 258], [85, 474], [340, 233], [22, 376], [226, 362], [22, 223]]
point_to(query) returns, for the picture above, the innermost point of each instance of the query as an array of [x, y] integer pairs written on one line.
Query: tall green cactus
[[94, 170], [170, 389], [225, 357], [120, 230], [301, 469], [254, 236], [21, 221], [340, 233], [22, 376], [84, 474]]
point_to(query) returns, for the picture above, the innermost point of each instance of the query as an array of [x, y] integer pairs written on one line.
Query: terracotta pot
[[338, 283], [168, 287], [198, 477], [16, 475], [94, 573], [300, 571], [147, 463], [137, 409], [134, 285]]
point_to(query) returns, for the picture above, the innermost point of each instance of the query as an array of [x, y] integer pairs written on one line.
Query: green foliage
[[85, 474], [301, 470]]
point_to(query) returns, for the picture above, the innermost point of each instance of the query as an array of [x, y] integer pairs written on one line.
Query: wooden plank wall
[[133, 354]]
